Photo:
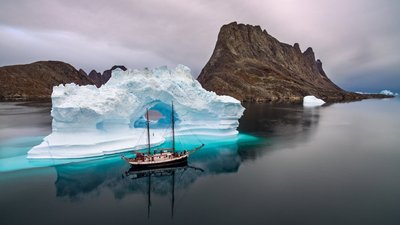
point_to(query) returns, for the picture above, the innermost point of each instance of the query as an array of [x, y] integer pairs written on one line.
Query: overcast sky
[[357, 40]]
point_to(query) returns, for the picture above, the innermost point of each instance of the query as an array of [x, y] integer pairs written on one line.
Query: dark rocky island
[[35, 81], [251, 65]]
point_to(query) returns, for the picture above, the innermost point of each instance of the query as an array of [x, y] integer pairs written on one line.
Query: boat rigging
[[160, 157]]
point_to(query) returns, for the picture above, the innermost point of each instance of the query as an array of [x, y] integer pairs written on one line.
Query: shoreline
[[350, 97]]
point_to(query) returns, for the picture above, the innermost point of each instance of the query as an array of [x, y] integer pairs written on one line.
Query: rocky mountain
[[35, 81], [251, 65], [100, 79]]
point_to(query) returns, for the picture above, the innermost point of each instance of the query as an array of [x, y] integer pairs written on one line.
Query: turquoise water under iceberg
[[14, 151]]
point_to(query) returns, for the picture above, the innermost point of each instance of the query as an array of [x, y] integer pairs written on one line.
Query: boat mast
[[173, 128], [148, 130]]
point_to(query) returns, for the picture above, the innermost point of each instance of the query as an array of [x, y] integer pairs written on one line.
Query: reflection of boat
[[161, 157], [139, 173]]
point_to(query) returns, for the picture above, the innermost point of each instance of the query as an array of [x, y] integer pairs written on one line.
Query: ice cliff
[[90, 121]]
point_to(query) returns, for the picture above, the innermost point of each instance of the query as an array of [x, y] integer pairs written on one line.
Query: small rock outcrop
[[107, 73], [100, 79]]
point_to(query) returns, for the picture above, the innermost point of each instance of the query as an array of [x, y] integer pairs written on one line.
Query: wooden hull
[[182, 160], [160, 160]]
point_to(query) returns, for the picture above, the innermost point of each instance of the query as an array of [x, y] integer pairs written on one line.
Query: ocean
[[335, 164]]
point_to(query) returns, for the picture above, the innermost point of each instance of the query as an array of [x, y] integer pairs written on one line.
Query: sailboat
[[161, 157]]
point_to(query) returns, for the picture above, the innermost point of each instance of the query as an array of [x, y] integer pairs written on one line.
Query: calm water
[[339, 164]]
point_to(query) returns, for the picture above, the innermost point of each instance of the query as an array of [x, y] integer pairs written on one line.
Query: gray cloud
[[353, 38]]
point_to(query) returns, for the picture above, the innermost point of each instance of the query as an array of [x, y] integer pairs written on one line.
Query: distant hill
[[251, 65], [35, 81]]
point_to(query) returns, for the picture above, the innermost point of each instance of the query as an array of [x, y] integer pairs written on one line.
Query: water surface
[[337, 164]]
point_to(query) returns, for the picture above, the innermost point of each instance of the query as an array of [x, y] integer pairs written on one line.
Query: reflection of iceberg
[[90, 121], [76, 181]]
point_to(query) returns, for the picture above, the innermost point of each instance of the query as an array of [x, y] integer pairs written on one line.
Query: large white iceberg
[[90, 121], [311, 101]]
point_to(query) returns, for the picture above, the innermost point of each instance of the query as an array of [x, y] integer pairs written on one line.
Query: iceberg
[[311, 101], [89, 121], [388, 92]]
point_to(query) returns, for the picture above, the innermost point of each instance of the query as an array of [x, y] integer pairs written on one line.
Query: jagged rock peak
[[246, 28], [234, 25], [296, 46], [309, 54], [81, 71], [96, 78], [94, 72], [309, 51]]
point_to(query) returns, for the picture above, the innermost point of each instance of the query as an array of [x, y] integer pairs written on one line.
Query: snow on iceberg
[[310, 101], [387, 92], [90, 121]]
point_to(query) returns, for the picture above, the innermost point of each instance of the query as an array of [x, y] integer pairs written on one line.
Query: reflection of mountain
[[272, 120], [284, 126]]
